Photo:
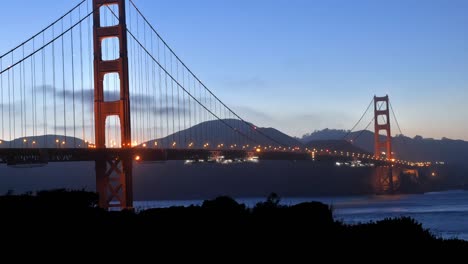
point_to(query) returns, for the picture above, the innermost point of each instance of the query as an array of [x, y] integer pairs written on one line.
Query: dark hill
[[220, 132], [48, 141]]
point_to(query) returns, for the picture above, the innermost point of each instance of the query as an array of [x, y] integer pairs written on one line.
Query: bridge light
[[258, 150], [34, 142], [63, 143], [25, 140], [144, 145], [1, 142], [137, 158]]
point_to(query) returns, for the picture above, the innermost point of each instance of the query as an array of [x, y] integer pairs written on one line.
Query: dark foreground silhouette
[[61, 221]]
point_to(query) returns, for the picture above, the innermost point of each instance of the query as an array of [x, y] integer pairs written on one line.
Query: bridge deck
[[18, 156], [45, 155]]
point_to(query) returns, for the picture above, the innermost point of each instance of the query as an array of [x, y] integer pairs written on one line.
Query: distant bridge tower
[[382, 123], [113, 173], [383, 142]]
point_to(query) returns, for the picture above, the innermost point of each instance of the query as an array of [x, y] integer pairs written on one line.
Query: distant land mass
[[454, 152], [221, 132], [47, 141]]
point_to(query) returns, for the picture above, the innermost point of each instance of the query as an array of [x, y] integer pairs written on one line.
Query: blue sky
[[301, 65]]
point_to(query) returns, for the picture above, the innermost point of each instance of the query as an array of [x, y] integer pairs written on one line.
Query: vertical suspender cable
[[13, 97], [54, 85], [205, 117], [1, 100], [190, 109], [21, 94], [33, 87], [73, 82], [166, 104], [161, 107], [9, 108], [202, 123], [147, 95], [212, 129], [153, 95], [82, 81], [32, 92], [195, 114], [184, 108], [216, 130], [140, 86], [132, 79], [199, 113], [44, 97], [23, 99], [172, 103], [178, 101], [63, 88]]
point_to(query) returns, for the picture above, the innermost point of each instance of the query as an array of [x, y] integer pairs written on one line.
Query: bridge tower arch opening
[[113, 171]]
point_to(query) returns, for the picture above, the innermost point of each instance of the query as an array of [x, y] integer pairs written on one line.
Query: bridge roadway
[[43, 155], [46, 155]]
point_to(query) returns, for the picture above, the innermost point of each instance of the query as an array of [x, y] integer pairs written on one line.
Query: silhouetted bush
[[64, 199], [268, 229]]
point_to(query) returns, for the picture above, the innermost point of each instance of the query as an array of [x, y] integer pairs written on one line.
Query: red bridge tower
[[113, 172], [383, 143]]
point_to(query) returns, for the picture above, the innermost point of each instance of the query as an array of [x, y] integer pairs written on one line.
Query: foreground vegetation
[[60, 218]]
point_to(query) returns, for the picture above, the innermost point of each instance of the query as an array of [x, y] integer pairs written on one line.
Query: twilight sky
[[301, 65]]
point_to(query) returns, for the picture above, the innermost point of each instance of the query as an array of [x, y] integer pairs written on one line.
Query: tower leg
[[391, 186], [384, 180], [114, 183]]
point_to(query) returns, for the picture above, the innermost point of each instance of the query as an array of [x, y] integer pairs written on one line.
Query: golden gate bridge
[[100, 84]]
